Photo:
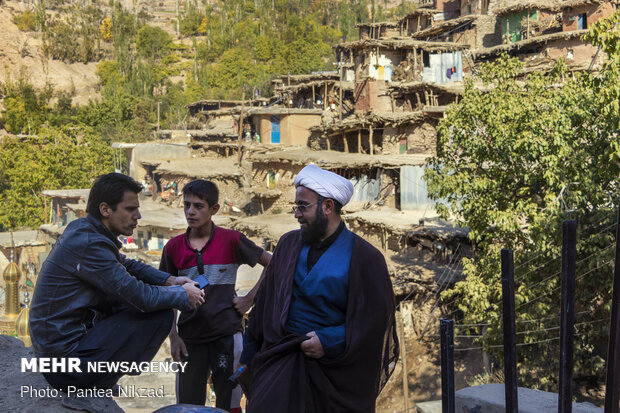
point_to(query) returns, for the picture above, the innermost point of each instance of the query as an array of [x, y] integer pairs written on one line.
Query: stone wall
[[151, 151], [284, 174], [230, 188], [372, 95], [593, 12], [574, 51]]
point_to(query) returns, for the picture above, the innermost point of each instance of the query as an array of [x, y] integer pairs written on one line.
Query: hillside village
[[373, 120]]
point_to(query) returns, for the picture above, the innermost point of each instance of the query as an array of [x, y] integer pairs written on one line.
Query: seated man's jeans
[[128, 335]]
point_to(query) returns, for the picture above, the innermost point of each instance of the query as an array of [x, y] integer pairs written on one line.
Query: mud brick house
[[375, 178], [416, 21], [542, 32]]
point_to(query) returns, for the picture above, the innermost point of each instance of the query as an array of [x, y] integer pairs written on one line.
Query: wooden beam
[[340, 70], [240, 127], [403, 343], [325, 97], [346, 143], [372, 150]]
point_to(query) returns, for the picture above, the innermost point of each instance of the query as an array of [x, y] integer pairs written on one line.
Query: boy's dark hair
[[110, 188], [203, 189]]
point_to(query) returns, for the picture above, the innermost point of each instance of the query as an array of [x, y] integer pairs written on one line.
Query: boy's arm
[[264, 261], [243, 304], [177, 345]]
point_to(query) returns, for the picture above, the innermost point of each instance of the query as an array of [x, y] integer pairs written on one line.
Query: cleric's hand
[[312, 347], [243, 304]]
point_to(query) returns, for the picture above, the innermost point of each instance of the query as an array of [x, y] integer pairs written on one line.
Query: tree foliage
[[153, 42], [56, 158], [25, 109], [237, 46], [514, 161], [76, 37]]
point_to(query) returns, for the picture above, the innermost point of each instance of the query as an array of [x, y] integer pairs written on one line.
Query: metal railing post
[[567, 316], [612, 388], [510, 340], [446, 328]]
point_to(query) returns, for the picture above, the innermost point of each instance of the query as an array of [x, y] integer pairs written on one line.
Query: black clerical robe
[[283, 379]]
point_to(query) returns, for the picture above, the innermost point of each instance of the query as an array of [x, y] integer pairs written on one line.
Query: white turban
[[325, 183]]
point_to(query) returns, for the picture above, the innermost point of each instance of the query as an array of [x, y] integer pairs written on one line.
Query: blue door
[[582, 21], [275, 129]]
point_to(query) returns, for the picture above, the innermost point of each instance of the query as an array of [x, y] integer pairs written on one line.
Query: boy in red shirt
[[205, 336]]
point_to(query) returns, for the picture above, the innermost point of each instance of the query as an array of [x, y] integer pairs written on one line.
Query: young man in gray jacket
[[93, 303]]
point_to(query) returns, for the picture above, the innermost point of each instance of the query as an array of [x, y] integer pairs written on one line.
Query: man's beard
[[316, 230]]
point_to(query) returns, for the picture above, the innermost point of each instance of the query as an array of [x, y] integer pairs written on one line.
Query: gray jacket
[[83, 279]]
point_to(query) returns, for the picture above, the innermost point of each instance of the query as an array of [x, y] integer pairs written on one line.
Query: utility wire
[[502, 346], [546, 278], [436, 296], [542, 330], [560, 256], [558, 288]]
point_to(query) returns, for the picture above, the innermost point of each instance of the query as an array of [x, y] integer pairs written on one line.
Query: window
[[426, 58], [275, 129], [271, 179], [582, 21]]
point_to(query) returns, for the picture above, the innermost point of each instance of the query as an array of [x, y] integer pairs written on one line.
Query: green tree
[[191, 21], [66, 157], [513, 163], [25, 109], [153, 42]]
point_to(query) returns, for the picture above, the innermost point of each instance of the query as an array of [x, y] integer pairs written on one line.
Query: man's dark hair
[[110, 188], [337, 205], [203, 189]]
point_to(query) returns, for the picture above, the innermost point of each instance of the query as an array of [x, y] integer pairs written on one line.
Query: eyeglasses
[[302, 208]]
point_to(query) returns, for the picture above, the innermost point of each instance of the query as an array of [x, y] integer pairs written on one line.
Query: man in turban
[[321, 337]]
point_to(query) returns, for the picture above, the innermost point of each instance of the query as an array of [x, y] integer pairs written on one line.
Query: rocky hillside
[[21, 56]]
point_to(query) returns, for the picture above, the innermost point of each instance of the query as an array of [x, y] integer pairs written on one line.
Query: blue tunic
[[319, 297]]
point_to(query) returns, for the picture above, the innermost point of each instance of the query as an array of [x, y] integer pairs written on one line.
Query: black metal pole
[[612, 388], [446, 328], [510, 338], [567, 317]]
